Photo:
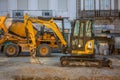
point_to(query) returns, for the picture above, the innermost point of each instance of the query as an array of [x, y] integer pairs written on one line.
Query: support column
[[83, 5], [72, 9], [119, 5], [53, 5], [78, 8], [33, 4], [12, 5], [97, 4], [112, 4], [94, 4], [116, 4]]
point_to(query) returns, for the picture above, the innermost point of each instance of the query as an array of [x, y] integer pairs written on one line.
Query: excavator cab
[[82, 42]]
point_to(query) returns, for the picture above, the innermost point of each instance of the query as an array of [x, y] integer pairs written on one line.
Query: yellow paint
[[87, 51]]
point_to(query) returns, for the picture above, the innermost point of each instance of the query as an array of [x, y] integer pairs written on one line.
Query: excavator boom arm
[[3, 29], [51, 25]]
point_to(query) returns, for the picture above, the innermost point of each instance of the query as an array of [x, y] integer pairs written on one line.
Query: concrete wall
[[105, 4], [118, 4], [52, 5], [70, 11], [3, 7]]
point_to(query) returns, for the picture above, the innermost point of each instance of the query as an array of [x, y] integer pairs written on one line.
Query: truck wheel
[[11, 50], [43, 50]]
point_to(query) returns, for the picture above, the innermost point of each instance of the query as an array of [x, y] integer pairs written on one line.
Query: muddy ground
[[19, 68]]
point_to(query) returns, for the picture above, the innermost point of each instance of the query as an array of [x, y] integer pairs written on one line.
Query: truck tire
[[11, 50], [43, 50]]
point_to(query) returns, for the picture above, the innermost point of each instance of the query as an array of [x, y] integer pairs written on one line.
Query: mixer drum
[[18, 29]]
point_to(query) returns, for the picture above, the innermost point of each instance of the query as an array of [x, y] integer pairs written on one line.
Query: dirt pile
[[41, 72]]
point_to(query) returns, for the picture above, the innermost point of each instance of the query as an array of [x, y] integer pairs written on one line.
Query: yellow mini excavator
[[81, 48]]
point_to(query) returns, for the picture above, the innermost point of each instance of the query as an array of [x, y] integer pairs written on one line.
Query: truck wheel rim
[[11, 50], [44, 51]]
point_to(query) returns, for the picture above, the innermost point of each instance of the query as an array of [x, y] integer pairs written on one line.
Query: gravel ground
[[19, 68]]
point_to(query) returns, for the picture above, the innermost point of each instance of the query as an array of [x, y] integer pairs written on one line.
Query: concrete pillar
[[97, 5], [78, 8], [72, 9], [112, 4], [32, 4], [53, 5], [94, 4], [12, 5], [119, 5], [116, 4]]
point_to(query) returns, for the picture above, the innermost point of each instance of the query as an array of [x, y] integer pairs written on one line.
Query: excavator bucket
[[33, 58], [30, 34]]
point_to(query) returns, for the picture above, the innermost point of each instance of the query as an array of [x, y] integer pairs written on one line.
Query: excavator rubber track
[[67, 61]]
